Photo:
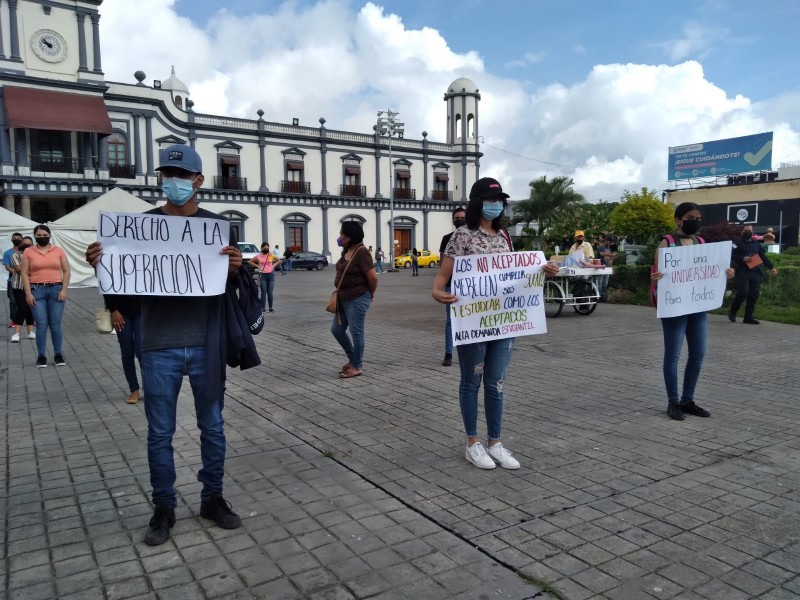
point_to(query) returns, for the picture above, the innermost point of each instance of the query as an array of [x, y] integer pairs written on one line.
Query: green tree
[[593, 218], [642, 217], [547, 199]]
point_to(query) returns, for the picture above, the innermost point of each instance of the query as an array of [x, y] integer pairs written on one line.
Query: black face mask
[[747, 236], [265, 252], [16, 243], [43, 241], [459, 222], [24, 247], [690, 227]]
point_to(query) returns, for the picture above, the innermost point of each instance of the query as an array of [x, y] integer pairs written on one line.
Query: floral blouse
[[467, 241]]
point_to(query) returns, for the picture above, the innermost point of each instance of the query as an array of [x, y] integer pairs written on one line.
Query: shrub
[[783, 290], [792, 251]]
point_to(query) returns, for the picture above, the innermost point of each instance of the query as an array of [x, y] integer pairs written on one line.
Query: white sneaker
[[478, 457], [31, 336], [503, 456], [15, 338]]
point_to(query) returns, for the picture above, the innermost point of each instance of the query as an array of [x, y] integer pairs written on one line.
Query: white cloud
[[529, 58], [696, 41]]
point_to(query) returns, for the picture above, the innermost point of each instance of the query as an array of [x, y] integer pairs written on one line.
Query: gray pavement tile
[[187, 591]]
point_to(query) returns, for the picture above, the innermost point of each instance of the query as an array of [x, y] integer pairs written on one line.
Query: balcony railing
[[295, 187], [230, 183], [441, 195], [50, 164], [405, 194], [122, 171], [356, 191]]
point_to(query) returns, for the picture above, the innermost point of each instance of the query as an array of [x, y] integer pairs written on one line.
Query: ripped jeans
[[487, 361]]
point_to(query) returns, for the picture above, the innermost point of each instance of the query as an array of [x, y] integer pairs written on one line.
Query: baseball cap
[[486, 188], [180, 156], [579, 233]]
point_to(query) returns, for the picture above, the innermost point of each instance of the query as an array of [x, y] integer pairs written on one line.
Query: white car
[[248, 251]]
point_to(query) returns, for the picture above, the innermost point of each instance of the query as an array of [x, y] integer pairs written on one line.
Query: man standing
[[16, 240], [606, 255], [582, 245], [379, 260], [174, 344], [459, 216], [282, 263], [287, 258], [748, 257]]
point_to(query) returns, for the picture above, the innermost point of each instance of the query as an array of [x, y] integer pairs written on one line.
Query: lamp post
[[389, 126]]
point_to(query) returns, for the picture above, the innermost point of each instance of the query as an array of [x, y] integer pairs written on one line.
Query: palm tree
[[546, 200]]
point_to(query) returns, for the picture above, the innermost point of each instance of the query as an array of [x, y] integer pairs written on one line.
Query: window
[[471, 125], [458, 126], [51, 145], [296, 237], [295, 229], [117, 149]]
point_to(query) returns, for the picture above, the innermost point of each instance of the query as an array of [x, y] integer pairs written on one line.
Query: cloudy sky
[[594, 90]]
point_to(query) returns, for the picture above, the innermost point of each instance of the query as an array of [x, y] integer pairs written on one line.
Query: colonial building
[[67, 135]]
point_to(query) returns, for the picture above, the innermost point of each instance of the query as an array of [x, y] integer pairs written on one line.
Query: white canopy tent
[[11, 223], [76, 230]]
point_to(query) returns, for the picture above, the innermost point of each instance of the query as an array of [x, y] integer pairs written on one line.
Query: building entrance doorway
[[402, 241]]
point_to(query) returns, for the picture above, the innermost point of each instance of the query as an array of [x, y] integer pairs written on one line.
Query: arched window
[[179, 102], [118, 163], [458, 126], [470, 125], [237, 220]]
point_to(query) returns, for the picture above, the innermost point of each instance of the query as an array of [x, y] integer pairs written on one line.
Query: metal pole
[[391, 202]]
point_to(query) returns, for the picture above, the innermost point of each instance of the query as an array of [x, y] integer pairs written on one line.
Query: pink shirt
[[265, 262], [45, 268]]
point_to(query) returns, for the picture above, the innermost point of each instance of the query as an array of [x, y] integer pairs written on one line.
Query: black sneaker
[[674, 412], [219, 510], [448, 360], [59, 360], [158, 531], [751, 321], [732, 316], [41, 362], [690, 408]]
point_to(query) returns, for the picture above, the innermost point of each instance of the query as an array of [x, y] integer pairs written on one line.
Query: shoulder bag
[[333, 302]]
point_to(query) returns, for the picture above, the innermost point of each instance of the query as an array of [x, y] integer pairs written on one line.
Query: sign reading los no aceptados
[[721, 157]]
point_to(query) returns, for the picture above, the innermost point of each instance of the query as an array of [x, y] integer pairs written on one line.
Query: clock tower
[[52, 40]]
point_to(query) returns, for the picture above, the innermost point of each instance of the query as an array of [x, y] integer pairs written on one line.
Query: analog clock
[[49, 45]]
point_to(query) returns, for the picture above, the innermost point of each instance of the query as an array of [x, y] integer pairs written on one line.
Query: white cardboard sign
[[499, 296], [694, 278], [160, 255]]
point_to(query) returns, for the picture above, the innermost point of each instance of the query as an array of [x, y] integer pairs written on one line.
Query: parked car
[[248, 251], [426, 259], [308, 260]]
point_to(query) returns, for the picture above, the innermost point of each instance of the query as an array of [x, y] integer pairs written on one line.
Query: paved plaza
[[358, 488]]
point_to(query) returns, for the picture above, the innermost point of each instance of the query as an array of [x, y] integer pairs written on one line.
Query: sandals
[[349, 365], [349, 373]]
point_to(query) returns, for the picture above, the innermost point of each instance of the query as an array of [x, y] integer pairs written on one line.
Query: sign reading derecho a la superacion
[[499, 296], [160, 255]]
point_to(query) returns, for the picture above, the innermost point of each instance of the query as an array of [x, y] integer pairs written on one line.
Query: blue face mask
[[178, 191], [492, 210]]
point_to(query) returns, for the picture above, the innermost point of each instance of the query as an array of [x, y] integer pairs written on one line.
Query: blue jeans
[[267, 283], [379, 267], [488, 361], [162, 376], [352, 314], [130, 346], [694, 328], [48, 312], [603, 285], [448, 328], [414, 267]]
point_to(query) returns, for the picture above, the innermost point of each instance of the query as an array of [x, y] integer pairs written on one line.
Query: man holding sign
[[175, 326], [691, 276], [490, 306]]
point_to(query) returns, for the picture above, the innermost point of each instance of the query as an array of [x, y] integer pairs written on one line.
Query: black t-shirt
[[177, 321]]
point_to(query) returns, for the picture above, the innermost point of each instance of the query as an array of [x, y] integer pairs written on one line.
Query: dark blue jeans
[[694, 328], [130, 346], [352, 314], [487, 361], [162, 376], [12, 301], [414, 267], [48, 312], [267, 283], [448, 328]]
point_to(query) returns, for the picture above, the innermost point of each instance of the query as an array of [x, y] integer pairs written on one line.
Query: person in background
[[459, 217], [582, 245], [45, 277], [23, 313], [16, 240], [287, 259], [126, 319], [356, 281], [277, 252], [414, 263], [265, 265], [606, 257], [748, 281], [489, 360], [693, 327], [379, 260]]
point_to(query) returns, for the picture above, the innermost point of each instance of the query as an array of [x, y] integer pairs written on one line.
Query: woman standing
[[487, 361], [414, 263], [23, 313], [126, 318], [356, 282], [693, 327], [265, 264], [45, 277]]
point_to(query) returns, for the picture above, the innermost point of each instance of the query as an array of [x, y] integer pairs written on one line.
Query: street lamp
[[389, 126]]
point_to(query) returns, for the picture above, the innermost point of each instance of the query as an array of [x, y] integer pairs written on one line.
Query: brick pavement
[[359, 488]]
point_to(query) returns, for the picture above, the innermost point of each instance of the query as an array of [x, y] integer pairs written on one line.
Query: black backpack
[[250, 302]]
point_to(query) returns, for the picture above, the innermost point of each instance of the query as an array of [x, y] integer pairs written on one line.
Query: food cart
[[577, 287]]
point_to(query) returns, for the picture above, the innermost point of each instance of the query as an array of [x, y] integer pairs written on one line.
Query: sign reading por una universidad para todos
[[694, 278], [499, 296], [160, 255]]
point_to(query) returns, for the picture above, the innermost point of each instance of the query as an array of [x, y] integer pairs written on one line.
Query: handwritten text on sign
[[694, 278], [499, 296], [158, 255]]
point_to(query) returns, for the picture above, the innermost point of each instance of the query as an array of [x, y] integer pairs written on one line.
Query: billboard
[[722, 157]]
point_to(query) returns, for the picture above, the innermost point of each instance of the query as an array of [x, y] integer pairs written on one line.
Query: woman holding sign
[[693, 326], [489, 360]]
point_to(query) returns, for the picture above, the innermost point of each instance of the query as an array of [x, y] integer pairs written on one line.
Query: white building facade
[[67, 136]]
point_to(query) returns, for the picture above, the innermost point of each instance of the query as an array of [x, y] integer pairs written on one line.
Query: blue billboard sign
[[721, 157]]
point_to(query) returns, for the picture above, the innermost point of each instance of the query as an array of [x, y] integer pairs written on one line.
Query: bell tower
[[462, 99]]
